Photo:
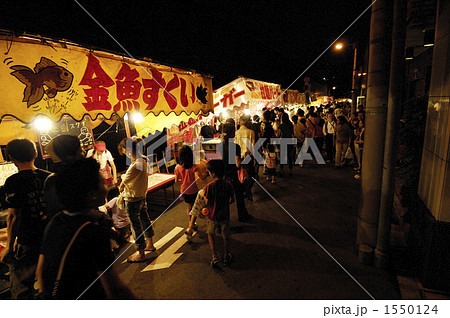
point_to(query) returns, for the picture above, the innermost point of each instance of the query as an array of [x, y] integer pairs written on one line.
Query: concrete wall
[[434, 185]]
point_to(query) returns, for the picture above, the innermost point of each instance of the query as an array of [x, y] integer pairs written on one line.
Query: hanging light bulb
[[137, 118], [42, 124]]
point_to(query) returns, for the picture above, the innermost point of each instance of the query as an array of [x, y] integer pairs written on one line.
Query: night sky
[[272, 41]]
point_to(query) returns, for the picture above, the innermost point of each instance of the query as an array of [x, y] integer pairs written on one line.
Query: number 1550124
[[410, 309]]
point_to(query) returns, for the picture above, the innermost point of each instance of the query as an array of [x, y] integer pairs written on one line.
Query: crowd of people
[[55, 231], [59, 234], [336, 131]]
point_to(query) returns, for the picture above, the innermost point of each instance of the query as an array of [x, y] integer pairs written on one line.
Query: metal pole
[[377, 99], [354, 88], [393, 118], [127, 126]]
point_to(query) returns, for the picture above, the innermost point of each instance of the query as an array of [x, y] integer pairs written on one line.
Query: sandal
[[131, 259], [227, 259], [189, 233], [150, 249], [215, 260]]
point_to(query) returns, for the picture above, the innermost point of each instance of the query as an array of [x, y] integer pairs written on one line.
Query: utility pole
[[377, 100], [354, 86], [393, 118]]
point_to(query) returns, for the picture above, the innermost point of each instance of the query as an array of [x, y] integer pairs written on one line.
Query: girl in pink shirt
[[185, 174]]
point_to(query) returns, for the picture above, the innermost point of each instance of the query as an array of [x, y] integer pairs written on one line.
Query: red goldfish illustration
[[46, 72]]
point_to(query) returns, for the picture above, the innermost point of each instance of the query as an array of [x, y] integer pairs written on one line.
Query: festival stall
[[46, 81], [52, 87], [293, 100], [245, 95], [290, 98]]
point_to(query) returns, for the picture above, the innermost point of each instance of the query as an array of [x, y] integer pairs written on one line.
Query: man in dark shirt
[[86, 269], [63, 150], [207, 131], [26, 217], [232, 159]]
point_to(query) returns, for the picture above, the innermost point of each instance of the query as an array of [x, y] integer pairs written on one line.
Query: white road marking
[[162, 241], [168, 257]]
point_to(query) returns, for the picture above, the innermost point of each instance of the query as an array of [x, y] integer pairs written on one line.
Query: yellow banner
[[151, 123], [290, 97], [55, 78]]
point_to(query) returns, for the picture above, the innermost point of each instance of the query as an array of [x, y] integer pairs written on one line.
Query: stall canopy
[[152, 124], [248, 94], [292, 98], [52, 78], [11, 128]]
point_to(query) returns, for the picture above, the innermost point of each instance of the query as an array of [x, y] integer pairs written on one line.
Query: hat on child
[[100, 146]]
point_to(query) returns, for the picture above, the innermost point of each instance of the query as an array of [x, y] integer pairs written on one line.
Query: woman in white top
[[134, 185], [103, 157]]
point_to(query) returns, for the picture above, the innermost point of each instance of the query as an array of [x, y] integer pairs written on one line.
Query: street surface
[[273, 258]]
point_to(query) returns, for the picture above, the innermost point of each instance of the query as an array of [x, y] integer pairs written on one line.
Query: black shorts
[[271, 171], [189, 198]]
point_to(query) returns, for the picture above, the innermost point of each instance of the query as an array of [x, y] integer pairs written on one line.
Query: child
[[119, 217], [27, 217], [103, 157], [271, 163], [219, 195], [185, 174]]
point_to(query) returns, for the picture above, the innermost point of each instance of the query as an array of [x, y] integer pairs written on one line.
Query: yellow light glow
[[364, 74], [334, 87], [359, 74], [42, 124], [137, 118], [339, 46]]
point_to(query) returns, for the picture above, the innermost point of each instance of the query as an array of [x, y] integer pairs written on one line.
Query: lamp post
[[339, 46]]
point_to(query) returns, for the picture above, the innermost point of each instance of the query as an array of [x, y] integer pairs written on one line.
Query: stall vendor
[[103, 157]]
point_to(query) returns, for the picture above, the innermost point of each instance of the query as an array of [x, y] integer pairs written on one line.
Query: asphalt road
[[274, 258]]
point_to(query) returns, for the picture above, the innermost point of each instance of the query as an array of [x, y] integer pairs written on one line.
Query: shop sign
[[54, 79]]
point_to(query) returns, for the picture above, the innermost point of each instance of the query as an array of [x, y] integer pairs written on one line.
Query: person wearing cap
[[103, 157]]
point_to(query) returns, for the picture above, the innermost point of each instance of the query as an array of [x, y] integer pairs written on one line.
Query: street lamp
[[339, 46]]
